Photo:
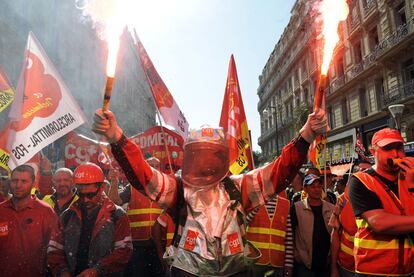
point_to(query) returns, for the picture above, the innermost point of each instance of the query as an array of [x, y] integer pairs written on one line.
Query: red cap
[[386, 136]]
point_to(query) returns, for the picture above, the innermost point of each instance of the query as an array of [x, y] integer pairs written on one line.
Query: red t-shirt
[[24, 237]]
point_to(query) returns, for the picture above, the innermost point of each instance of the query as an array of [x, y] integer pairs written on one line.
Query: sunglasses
[[88, 195]]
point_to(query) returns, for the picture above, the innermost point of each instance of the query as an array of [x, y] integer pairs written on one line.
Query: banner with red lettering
[[80, 149], [43, 110], [152, 143]]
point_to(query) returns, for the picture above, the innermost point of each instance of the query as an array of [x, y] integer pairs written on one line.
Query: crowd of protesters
[[282, 219]]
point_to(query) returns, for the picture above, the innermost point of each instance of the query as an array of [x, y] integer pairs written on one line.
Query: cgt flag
[[233, 121], [43, 109], [316, 152], [168, 108], [4, 153], [6, 91]]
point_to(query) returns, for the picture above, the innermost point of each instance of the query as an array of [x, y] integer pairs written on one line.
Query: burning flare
[[333, 11]]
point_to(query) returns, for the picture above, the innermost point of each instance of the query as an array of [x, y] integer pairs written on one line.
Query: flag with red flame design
[[43, 109], [233, 121], [168, 108]]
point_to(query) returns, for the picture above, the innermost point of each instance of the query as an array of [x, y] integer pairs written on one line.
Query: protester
[[162, 233], [344, 228], [142, 214], [310, 218], [64, 195], [212, 235], [4, 185], [95, 232], [295, 186], [26, 226], [270, 230], [382, 202]]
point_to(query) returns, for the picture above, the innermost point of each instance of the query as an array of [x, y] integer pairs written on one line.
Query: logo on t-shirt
[[234, 243], [190, 240], [4, 229]]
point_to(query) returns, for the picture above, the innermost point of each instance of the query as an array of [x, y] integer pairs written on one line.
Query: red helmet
[[88, 173]]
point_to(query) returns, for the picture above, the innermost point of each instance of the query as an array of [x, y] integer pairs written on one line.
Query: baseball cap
[[386, 136], [310, 178]]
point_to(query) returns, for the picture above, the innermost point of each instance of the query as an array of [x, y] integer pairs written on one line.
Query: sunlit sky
[[190, 43]]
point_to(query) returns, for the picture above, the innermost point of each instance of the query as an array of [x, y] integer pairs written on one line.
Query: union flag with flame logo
[[43, 110], [168, 108], [234, 123]]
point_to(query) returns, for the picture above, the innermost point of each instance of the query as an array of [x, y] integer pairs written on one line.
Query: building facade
[[79, 56], [372, 68]]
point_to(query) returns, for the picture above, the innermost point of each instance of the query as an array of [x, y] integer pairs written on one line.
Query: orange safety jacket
[[170, 230], [349, 228], [142, 213], [380, 254], [269, 234]]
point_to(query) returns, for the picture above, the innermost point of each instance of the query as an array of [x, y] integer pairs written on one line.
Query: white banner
[[44, 109]]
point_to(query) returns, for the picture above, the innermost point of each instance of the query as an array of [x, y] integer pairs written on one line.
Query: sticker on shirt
[[234, 243], [4, 229], [190, 240]]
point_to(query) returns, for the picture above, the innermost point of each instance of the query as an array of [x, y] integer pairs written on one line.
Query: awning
[[341, 169]]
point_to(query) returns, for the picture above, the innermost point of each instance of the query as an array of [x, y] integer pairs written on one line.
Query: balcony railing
[[354, 22], [380, 49], [339, 82], [369, 7], [399, 93]]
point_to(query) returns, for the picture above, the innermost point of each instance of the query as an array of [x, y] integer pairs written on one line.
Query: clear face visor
[[204, 163]]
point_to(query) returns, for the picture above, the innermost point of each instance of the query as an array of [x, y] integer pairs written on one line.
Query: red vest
[[269, 234], [380, 254], [349, 228], [142, 213]]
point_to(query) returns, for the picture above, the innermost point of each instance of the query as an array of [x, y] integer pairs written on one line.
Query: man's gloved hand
[[316, 124], [104, 123]]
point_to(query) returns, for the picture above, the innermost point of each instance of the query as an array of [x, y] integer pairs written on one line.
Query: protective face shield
[[206, 157]]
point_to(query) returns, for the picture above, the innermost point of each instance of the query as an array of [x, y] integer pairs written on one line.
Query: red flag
[[316, 151], [233, 121], [6, 91], [43, 111], [168, 108]]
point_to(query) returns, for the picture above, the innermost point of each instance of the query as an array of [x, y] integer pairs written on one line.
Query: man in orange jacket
[[382, 200]]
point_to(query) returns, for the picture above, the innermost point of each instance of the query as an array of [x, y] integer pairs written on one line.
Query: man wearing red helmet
[[382, 202], [211, 240], [96, 236]]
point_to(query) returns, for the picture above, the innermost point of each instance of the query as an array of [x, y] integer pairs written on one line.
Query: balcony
[[337, 83], [399, 94], [369, 7]]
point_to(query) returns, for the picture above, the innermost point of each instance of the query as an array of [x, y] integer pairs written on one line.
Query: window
[[305, 96], [344, 106], [357, 52], [363, 102], [340, 66], [400, 16], [373, 38], [330, 117], [408, 71]]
